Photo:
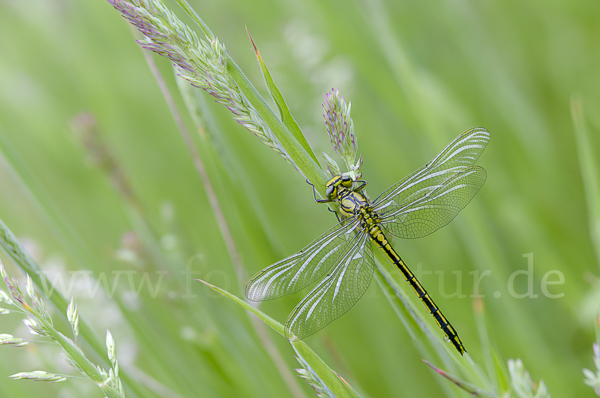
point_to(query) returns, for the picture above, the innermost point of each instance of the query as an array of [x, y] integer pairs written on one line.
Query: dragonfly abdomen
[[381, 240]]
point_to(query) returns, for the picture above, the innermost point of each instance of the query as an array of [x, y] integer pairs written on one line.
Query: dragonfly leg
[[315, 194], [361, 186], [336, 214]]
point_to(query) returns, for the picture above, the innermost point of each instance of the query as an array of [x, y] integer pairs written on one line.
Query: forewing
[[430, 212], [336, 294], [303, 268], [458, 157]]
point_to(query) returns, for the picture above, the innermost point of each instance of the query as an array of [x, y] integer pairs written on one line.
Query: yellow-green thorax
[[352, 201]]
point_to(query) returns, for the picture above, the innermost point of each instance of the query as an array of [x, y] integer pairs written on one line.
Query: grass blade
[[284, 111], [471, 389], [589, 172], [329, 379]]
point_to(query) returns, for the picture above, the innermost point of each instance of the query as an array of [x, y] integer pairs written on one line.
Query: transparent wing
[[430, 212], [337, 293], [455, 160], [303, 268]]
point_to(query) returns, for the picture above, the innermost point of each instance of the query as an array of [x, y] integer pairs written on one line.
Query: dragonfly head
[[333, 186]]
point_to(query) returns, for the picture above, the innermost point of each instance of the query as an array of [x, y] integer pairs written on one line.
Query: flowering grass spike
[[340, 128], [39, 322], [203, 63], [522, 384], [592, 378]]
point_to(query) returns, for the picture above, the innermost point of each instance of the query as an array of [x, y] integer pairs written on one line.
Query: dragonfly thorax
[[351, 200], [353, 203]]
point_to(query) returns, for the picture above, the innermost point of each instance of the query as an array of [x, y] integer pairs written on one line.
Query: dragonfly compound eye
[[329, 190]]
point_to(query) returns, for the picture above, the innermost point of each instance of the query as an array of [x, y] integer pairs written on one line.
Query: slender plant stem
[[201, 169], [259, 327]]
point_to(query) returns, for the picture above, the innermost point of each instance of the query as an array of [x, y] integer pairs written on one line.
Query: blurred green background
[[417, 74]]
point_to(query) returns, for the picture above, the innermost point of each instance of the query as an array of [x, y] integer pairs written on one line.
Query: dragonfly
[[341, 259]]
